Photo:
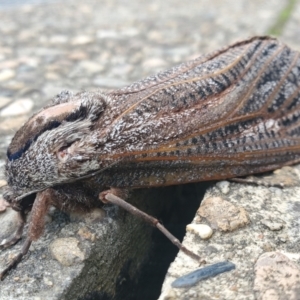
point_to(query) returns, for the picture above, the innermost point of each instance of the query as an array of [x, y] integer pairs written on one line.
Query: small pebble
[[95, 216], [12, 123], [277, 273], [222, 214], [58, 39], [272, 225], [268, 247], [7, 74], [203, 273], [48, 282], [103, 34], [51, 76], [9, 64], [4, 101], [66, 251], [77, 55], [86, 234], [154, 63], [17, 86], [203, 230], [283, 238], [81, 40], [19, 107], [109, 82], [3, 182], [168, 294], [90, 66], [224, 186]]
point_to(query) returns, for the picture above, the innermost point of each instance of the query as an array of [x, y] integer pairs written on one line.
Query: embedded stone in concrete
[[272, 224], [203, 230], [273, 270], [20, 107], [95, 216], [223, 186], [7, 74], [4, 101], [85, 233], [222, 215], [10, 124], [67, 251], [82, 40]]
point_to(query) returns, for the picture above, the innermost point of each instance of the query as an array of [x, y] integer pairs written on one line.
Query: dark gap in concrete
[[186, 201]]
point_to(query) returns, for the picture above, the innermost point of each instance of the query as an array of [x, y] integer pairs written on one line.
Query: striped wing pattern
[[231, 113]]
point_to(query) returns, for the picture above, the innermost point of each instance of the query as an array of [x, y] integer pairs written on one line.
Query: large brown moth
[[231, 113]]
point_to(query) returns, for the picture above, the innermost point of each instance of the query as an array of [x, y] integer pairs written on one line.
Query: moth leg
[[18, 234], [257, 181], [110, 196], [36, 226], [16, 259]]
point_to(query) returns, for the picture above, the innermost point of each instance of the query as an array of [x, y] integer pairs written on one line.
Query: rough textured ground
[[45, 48], [257, 229]]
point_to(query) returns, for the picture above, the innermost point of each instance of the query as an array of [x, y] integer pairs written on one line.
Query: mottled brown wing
[[232, 113]]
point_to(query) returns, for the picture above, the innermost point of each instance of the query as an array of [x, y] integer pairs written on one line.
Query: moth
[[227, 114]]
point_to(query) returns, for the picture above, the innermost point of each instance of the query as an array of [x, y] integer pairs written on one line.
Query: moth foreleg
[[256, 181], [18, 234], [111, 196], [36, 227], [16, 259], [281, 178]]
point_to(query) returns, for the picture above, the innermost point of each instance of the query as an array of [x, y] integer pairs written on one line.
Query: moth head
[[55, 145]]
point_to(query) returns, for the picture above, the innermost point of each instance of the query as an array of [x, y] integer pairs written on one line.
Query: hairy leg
[[18, 234], [36, 227]]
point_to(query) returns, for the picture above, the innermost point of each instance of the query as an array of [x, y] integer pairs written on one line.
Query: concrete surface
[[92, 45]]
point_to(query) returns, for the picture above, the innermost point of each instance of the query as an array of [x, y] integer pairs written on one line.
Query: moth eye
[[63, 154]]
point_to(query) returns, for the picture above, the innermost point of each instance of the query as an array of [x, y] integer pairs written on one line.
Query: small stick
[[111, 198]]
